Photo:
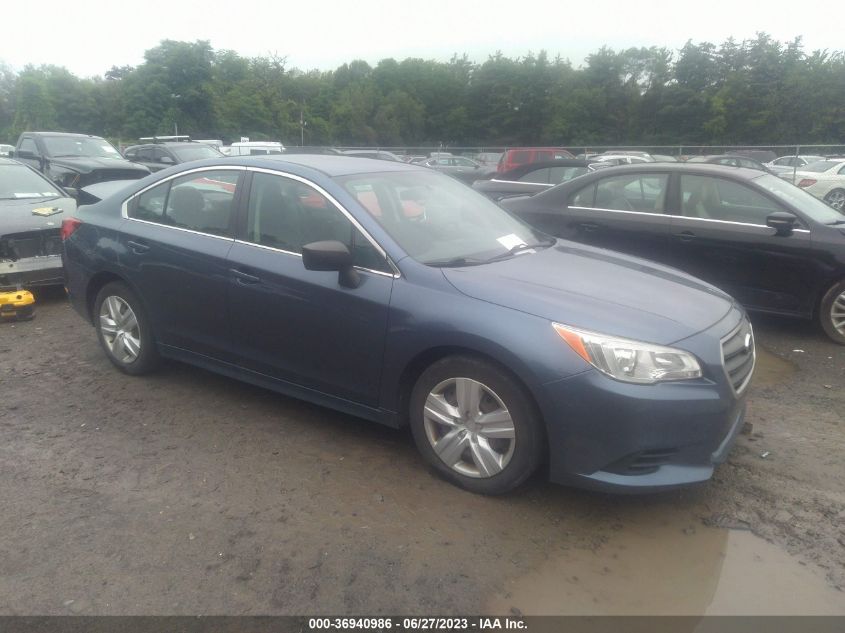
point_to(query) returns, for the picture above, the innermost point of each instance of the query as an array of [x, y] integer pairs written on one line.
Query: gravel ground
[[188, 493]]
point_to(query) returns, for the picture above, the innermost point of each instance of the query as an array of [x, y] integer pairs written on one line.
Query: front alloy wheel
[[832, 312], [469, 427], [476, 425]]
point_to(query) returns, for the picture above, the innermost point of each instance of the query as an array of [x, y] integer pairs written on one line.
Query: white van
[[253, 148]]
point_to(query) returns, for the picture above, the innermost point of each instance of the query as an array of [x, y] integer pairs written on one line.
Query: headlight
[[630, 361]]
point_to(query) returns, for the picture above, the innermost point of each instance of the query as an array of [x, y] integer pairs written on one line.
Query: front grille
[[31, 244], [738, 355]]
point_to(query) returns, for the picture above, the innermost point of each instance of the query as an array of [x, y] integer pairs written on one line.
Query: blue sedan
[[400, 295]]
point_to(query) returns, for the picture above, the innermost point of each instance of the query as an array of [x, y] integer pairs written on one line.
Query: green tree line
[[756, 91]]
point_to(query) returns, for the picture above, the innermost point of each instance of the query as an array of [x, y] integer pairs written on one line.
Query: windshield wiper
[[519, 248], [455, 262]]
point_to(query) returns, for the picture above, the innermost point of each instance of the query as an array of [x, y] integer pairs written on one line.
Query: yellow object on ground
[[17, 305]]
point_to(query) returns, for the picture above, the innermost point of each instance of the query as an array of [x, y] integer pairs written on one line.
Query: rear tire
[[124, 331], [836, 199], [476, 425], [832, 312]]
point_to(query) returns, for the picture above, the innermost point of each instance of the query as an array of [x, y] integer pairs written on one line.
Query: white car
[[622, 159], [253, 148], [5, 150], [825, 179], [795, 161]]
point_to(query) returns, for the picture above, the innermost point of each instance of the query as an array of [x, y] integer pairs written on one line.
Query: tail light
[[806, 182], [69, 226]]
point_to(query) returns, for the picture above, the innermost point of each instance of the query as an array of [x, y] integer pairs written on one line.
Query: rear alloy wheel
[[123, 330], [836, 199], [832, 312], [475, 425]]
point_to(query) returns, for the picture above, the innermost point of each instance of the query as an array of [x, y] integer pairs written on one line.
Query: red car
[[513, 158]]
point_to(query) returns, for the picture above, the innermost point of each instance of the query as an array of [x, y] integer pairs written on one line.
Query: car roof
[[169, 144], [68, 134], [330, 165], [740, 173]]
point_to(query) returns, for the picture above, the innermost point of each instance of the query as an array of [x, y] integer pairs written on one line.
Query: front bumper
[[29, 272], [620, 437]]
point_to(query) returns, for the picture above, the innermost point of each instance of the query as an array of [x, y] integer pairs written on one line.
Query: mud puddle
[[666, 562]]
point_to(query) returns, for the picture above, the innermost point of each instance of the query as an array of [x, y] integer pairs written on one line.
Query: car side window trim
[[339, 207], [761, 226], [651, 215]]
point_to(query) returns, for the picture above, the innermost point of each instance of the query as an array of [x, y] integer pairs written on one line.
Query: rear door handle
[[589, 227], [138, 247], [686, 236], [244, 278]]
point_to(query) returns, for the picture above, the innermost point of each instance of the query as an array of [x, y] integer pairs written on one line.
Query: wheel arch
[[424, 359], [97, 282]]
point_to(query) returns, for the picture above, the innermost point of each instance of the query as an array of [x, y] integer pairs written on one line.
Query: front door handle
[[686, 236], [138, 247], [244, 278]]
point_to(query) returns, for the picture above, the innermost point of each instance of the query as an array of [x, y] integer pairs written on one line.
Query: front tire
[[832, 312], [836, 199], [475, 425], [124, 331]]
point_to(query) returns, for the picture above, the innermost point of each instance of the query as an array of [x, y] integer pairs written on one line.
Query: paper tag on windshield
[[46, 211], [510, 241]]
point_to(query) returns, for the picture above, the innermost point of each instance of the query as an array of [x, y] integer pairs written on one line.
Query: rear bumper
[[29, 272]]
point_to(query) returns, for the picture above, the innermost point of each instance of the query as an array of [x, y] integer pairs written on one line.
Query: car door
[[623, 212], [301, 326], [144, 156], [719, 234], [29, 153], [173, 251]]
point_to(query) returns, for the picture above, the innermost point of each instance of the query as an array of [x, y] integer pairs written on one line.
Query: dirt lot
[[189, 493]]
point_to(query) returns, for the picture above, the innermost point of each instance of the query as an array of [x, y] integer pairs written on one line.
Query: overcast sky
[[90, 36]]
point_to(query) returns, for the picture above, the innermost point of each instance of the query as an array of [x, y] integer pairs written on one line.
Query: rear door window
[[632, 192], [202, 202]]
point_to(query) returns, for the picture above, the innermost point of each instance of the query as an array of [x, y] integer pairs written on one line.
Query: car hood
[[87, 164], [16, 216], [598, 290]]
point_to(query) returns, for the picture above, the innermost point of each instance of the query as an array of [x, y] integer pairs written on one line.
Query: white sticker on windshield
[[511, 241]]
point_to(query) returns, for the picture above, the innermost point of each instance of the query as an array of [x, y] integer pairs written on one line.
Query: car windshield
[[821, 165], [19, 182], [190, 152], [439, 221], [79, 146], [805, 202]]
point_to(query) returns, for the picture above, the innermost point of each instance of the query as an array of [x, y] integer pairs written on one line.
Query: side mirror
[[782, 222], [25, 153], [166, 160], [331, 255]]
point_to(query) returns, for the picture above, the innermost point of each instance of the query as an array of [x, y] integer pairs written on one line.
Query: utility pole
[[301, 126]]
